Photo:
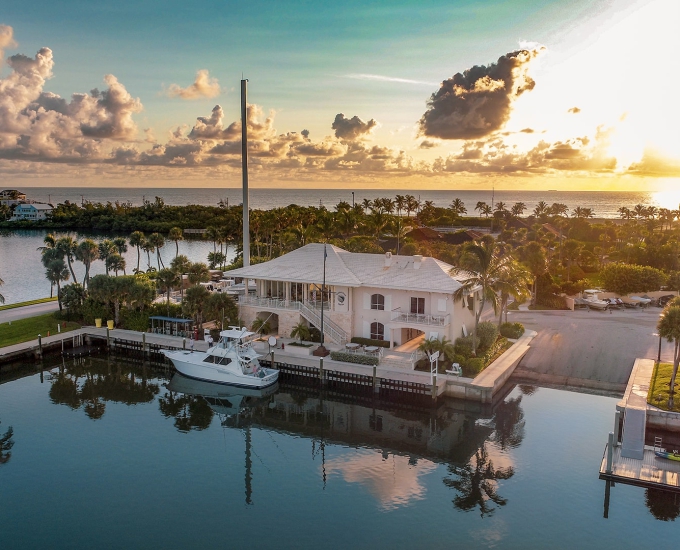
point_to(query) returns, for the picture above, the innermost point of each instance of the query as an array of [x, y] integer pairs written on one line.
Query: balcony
[[275, 303], [399, 316]]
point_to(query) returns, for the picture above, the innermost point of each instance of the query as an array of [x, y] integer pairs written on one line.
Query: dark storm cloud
[[474, 103]]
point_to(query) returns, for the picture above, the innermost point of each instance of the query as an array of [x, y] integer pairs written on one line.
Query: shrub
[[315, 335], [463, 346], [370, 342], [512, 330], [134, 320], [354, 358], [487, 333], [626, 278], [472, 367]]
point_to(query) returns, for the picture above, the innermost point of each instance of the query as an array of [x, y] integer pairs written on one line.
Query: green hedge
[[370, 342], [512, 330], [354, 358]]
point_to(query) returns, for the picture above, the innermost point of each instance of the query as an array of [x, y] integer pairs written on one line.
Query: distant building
[[31, 211], [10, 197]]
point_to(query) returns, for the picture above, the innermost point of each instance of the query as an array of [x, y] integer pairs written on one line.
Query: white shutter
[[367, 329], [388, 302], [367, 300], [441, 304]]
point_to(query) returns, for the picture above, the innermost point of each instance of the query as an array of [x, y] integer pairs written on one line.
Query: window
[[377, 331], [377, 302], [418, 305]]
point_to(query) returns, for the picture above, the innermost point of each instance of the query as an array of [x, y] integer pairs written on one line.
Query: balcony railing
[[420, 318], [276, 303]]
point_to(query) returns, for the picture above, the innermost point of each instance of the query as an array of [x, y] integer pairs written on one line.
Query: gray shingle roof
[[343, 268]]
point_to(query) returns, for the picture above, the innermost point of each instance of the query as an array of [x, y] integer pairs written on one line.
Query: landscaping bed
[[659, 388]]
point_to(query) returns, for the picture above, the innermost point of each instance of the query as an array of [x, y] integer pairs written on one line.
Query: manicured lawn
[[24, 330], [29, 303], [659, 388]]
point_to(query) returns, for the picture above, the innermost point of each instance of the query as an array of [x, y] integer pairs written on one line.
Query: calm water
[[24, 274], [604, 203], [110, 456]]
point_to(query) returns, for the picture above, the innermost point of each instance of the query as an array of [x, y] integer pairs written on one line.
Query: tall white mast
[[244, 169]]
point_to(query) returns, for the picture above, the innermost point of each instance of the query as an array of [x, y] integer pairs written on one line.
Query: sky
[[569, 95]]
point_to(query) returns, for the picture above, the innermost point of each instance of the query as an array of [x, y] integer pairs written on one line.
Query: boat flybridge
[[232, 361]]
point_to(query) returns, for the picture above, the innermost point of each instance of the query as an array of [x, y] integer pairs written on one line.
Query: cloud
[[527, 131], [381, 78], [212, 127], [6, 39], [478, 101], [203, 87], [427, 144], [351, 129], [111, 117], [574, 110]]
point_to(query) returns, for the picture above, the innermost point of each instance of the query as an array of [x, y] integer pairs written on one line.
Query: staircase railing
[[330, 329]]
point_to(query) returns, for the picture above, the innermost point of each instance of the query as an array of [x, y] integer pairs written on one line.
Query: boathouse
[[398, 299]]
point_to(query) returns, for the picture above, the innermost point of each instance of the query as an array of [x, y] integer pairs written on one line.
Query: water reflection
[[664, 505], [508, 420], [477, 484], [90, 383], [6, 443]]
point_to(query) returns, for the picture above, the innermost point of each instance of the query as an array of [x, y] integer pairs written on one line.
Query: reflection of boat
[[590, 299], [233, 361], [182, 384], [665, 454]]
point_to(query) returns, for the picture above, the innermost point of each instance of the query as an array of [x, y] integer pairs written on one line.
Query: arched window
[[377, 301], [377, 331]]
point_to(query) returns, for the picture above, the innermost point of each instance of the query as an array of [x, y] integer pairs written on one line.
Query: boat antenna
[[244, 169]]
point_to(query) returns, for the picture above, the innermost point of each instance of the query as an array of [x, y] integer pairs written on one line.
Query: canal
[[109, 454]]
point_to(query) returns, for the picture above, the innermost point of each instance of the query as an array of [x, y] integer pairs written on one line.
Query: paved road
[[591, 345], [27, 311]]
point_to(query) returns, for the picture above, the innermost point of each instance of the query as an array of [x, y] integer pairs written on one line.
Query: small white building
[[377, 296], [10, 197], [31, 211]]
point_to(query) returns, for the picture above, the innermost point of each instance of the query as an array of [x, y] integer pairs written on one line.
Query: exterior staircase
[[330, 329]]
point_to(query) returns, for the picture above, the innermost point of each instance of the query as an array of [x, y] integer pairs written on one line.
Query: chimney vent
[[388, 259], [417, 259]]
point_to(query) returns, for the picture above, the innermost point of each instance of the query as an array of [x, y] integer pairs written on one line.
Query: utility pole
[[244, 169]]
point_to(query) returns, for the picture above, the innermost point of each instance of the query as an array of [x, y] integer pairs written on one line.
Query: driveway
[[590, 345], [16, 313]]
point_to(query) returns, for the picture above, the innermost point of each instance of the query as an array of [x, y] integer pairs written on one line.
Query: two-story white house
[[377, 296], [31, 211]]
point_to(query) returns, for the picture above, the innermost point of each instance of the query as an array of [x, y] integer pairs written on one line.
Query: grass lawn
[[24, 330], [29, 303], [659, 386]]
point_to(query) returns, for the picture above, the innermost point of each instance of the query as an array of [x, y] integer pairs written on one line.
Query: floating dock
[[649, 471]]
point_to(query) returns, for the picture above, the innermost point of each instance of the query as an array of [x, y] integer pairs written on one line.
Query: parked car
[[665, 299]]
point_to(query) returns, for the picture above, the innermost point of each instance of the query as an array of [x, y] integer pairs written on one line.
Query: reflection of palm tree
[[6, 444], [663, 505], [509, 423], [190, 411], [477, 485], [527, 390]]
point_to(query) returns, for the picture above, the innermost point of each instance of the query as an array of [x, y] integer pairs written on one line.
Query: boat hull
[[191, 365], [667, 455]]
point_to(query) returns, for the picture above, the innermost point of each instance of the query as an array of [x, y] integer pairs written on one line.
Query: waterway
[[107, 454], [24, 275]]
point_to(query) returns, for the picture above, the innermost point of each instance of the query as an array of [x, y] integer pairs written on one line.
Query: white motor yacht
[[591, 300], [232, 361]]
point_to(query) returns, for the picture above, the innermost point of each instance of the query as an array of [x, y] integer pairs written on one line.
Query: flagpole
[[321, 350]]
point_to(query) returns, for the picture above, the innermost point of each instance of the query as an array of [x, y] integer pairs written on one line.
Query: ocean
[[605, 204]]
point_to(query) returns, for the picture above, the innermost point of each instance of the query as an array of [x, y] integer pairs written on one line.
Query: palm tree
[[56, 272], [198, 273], [541, 209], [176, 234], [518, 209], [444, 346], [481, 206], [486, 210], [137, 240], [167, 279], [50, 242], [180, 265], [195, 302], [213, 234], [481, 266], [148, 247], [400, 203], [669, 328], [2, 298], [301, 331], [261, 326], [106, 248], [87, 252], [157, 241], [458, 207], [68, 246], [572, 252], [513, 281], [6, 444], [121, 245], [115, 262]]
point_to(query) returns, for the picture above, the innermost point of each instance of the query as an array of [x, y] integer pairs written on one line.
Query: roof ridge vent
[[388, 259], [417, 260]]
